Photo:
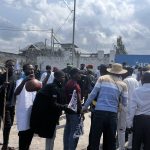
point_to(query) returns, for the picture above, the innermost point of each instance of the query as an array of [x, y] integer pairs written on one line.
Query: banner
[[73, 102]]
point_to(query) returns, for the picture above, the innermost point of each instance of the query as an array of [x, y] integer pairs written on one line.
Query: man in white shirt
[[48, 76], [132, 83], [24, 102], [139, 114]]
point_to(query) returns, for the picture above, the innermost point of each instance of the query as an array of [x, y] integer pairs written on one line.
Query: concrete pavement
[[39, 143]]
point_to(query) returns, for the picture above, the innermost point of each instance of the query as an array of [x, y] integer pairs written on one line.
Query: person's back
[[109, 88], [131, 83], [73, 118], [142, 94], [139, 114], [47, 108]]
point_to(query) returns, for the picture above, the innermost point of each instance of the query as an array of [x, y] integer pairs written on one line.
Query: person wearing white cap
[[108, 89]]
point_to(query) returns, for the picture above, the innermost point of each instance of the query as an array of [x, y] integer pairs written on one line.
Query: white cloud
[[98, 22]]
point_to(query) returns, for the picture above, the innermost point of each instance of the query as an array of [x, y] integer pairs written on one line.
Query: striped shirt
[[109, 90]]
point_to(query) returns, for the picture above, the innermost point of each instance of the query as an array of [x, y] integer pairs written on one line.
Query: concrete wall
[[5, 56], [60, 61]]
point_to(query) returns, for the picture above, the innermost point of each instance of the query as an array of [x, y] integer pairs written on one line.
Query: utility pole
[[52, 40], [73, 35], [45, 43]]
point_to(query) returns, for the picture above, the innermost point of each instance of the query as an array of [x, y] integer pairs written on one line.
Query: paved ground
[[39, 143]]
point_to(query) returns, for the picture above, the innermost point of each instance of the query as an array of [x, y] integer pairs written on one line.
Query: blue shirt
[[110, 90]]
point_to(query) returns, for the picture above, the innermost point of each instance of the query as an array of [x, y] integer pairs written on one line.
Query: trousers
[[141, 132], [25, 138]]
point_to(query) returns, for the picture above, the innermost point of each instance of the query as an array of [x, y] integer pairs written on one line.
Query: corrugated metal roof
[[133, 60]]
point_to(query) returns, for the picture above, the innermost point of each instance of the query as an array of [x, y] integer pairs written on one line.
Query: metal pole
[[45, 43], [5, 96], [52, 40], [73, 35]]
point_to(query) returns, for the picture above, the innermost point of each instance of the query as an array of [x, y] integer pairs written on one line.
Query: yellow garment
[[94, 102]]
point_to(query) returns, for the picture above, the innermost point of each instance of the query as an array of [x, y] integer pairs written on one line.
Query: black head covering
[[59, 74]]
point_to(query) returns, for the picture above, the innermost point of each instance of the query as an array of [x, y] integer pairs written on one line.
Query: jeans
[[104, 122], [72, 121]]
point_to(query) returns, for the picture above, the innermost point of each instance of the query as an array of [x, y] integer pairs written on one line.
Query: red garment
[[69, 88]]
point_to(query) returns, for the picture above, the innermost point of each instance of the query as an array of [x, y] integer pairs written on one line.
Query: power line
[[67, 5], [28, 30], [60, 27]]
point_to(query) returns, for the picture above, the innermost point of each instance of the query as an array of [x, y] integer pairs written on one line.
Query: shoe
[[5, 147]]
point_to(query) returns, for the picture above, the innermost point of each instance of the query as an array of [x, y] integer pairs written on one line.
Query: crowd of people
[[117, 96]]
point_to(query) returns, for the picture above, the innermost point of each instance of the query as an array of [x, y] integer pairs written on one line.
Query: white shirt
[[132, 83], [50, 79], [24, 102], [140, 103]]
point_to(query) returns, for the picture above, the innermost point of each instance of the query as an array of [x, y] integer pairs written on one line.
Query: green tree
[[120, 48]]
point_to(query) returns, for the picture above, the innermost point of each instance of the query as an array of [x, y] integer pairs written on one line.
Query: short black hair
[[146, 77], [48, 67], [9, 60], [74, 71], [130, 70], [103, 69], [25, 66], [59, 74]]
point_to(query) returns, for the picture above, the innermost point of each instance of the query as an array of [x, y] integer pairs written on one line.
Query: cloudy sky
[[98, 23]]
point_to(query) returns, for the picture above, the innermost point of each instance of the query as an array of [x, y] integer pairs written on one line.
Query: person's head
[[145, 77], [116, 69], [69, 66], [48, 68], [146, 68], [89, 69], [28, 69], [36, 67], [55, 69], [129, 71], [9, 64], [75, 74], [82, 66], [98, 67], [103, 69], [124, 64], [59, 76]]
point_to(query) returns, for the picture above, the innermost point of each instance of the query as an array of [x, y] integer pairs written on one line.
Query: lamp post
[[73, 35]]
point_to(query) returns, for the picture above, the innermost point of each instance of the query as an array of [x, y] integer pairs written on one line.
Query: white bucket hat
[[116, 69]]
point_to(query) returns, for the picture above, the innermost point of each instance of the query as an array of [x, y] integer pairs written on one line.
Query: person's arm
[[21, 85], [92, 95], [124, 96]]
